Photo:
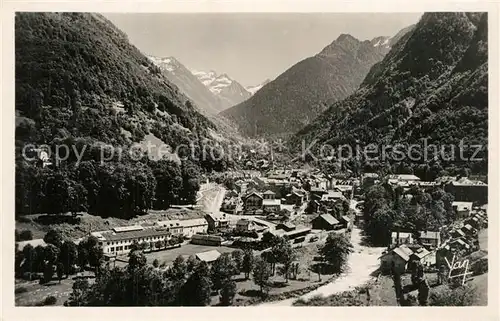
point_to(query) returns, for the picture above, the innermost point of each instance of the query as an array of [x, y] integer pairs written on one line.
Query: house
[[118, 240], [462, 209], [398, 238], [216, 221], [295, 198], [271, 205], [459, 243], [253, 201], [208, 256], [430, 239], [404, 177], [269, 195], [296, 233], [466, 190], [346, 190], [423, 256], [286, 227], [457, 233], [345, 221], [396, 259], [325, 222], [194, 226], [332, 196], [211, 240], [244, 225], [469, 230], [317, 193]]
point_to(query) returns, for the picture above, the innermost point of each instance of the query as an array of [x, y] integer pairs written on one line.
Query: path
[[362, 262]]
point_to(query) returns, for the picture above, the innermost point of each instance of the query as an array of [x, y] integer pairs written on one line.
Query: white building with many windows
[[185, 227], [119, 239]]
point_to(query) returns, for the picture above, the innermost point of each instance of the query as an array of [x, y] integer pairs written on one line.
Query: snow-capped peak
[[381, 42], [254, 89], [167, 63]]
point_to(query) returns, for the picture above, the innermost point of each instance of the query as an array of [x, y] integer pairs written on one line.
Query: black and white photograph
[[250, 159]]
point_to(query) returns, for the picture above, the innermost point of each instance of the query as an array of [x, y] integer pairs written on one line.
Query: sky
[[250, 47]]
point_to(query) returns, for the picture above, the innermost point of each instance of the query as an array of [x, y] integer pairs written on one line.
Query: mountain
[[433, 84], [190, 85], [301, 93], [253, 89], [82, 86], [227, 89]]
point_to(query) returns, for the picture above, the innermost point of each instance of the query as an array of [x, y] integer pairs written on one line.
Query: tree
[[51, 253], [237, 256], [95, 255], [53, 237], [336, 251], [78, 296], [26, 235], [287, 256], [261, 274], [68, 256], [191, 263], [179, 268], [228, 293], [136, 260], [156, 263], [48, 271], [60, 271], [30, 260], [222, 270], [198, 287], [248, 262]]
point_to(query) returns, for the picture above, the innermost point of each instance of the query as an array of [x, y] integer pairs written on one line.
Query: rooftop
[[404, 252], [152, 232], [329, 219], [208, 256], [271, 202]]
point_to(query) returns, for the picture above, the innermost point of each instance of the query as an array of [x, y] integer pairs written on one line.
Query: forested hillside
[[80, 83], [432, 85]]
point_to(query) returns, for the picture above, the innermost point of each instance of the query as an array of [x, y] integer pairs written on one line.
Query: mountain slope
[[301, 93], [190, 85], [228, 90], [432, 85], [253, 89]]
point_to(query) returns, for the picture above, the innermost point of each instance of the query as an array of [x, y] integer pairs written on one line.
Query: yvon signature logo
[[461, 269]]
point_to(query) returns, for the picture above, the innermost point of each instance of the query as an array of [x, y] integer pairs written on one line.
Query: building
[[271, 205], [295, 198], [287, 227], [253, 201], [396, 259], [469, 230], [465, 190], [430, 239], [119, 239], [345, 221], [294, 234], [423, 256], [173, 226], [211, 240], [398, 238], [317, 193], [462, 209], [346, 190], [332, 196], [325, 222], [208, 256], [269, 195], [194, 226], [404, 177], [216, 221], [244, 225]]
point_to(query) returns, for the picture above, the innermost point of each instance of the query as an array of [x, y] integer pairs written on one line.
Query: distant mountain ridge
[[253, 89], [300, 94], [433, 85], [190, 85], [227, 89]]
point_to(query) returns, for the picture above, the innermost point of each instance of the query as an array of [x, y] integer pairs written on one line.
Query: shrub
[[50, 300], [480, 267], [447, 296]]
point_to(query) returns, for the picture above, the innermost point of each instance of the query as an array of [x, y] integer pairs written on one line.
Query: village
[[302, 207]]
